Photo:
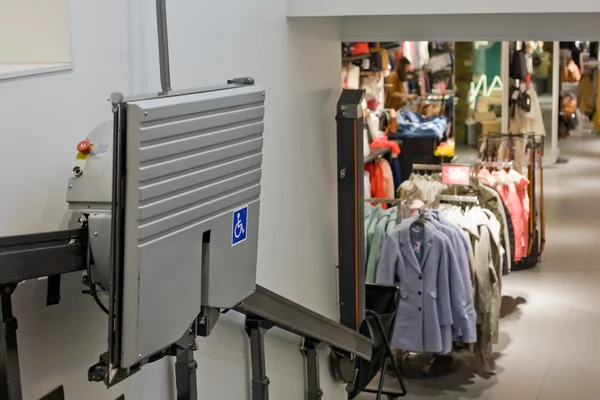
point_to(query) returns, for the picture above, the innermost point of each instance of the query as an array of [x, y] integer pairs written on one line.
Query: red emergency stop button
[[84, 147]]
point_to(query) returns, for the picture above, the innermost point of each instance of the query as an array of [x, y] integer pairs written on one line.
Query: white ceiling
[[345, 8], [471, 27]]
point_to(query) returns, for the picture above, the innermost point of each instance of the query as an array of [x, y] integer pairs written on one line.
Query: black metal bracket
[[56, 394], [207, 320], [186, 366], [100, 371], [53, 294], [10, 378], [256, 328], [313, 382], [241, 81]]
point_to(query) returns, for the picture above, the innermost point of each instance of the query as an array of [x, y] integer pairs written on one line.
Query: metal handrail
[[297, 319]]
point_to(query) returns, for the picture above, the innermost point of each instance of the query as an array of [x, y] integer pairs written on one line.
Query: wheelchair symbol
[[239, 225], [239, 230]]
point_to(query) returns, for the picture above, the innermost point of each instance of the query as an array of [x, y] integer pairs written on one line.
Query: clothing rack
[[529, 148], [437, 96], [386, 201], [426, 167], [501, 134], [494, 140], [456, 198], [495, 164], [433, 364], [490, 145]]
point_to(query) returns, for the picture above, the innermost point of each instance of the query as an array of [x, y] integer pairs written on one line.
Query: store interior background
[[464, 82], [294, 51]]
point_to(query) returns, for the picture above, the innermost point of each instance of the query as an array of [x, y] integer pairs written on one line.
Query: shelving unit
[[376, 153]]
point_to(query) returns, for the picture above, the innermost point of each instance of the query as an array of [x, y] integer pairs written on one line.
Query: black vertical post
[[10, 378], [351, 274], [256, 329], [313, 382], [186, 366]]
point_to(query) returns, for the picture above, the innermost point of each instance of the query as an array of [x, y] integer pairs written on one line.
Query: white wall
[[114, 49], [34, 31], [332, 8]]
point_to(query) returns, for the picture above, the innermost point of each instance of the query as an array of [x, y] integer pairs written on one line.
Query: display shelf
[[386, 46], [356, 58], [376, 153]]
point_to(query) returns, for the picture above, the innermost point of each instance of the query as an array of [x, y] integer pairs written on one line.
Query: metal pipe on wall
[[163, 45]]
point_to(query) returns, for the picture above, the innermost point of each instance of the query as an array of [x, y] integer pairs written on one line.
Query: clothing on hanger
[[482, 231], [518, 67], [511, 186], [422, 187], [378, 181], [367, 185], [351, 76], [528, 121], [378, 224], [396, 172], [586, 95], [421, 261], [448, 265], [388, 178]]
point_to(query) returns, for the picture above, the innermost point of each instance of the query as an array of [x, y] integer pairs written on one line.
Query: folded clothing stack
[[413, 125]]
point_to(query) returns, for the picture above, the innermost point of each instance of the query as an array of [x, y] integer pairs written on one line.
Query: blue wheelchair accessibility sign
[[239, 227]]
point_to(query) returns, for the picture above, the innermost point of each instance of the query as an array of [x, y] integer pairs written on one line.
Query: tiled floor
[[550, 330]]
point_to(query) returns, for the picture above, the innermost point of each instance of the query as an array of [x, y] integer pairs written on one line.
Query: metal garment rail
[[265, 309]]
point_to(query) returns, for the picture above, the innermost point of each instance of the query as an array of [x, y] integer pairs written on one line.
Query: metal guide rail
[[30, 257], [55, 253], [265, 309], [294, 318]]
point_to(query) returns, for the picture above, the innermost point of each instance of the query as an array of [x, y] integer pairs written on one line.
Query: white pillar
[[505, 76], [554, 150]]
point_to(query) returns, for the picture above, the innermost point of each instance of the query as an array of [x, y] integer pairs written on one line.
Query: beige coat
[[586, 95], [486, 265]]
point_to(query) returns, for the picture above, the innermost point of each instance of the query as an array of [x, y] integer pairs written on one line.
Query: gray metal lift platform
[[165, 203]]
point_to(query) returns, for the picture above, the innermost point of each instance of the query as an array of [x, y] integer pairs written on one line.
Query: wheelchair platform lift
[[164, 203], [152, 193]]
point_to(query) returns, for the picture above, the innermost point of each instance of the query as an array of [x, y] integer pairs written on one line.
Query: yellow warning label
[[81, 156]]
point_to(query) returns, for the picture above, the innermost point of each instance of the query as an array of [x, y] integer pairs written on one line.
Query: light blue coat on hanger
[[425, 315]]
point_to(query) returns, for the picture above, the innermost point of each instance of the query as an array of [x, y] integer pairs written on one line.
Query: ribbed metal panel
[[192, 161], [190, 165]]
